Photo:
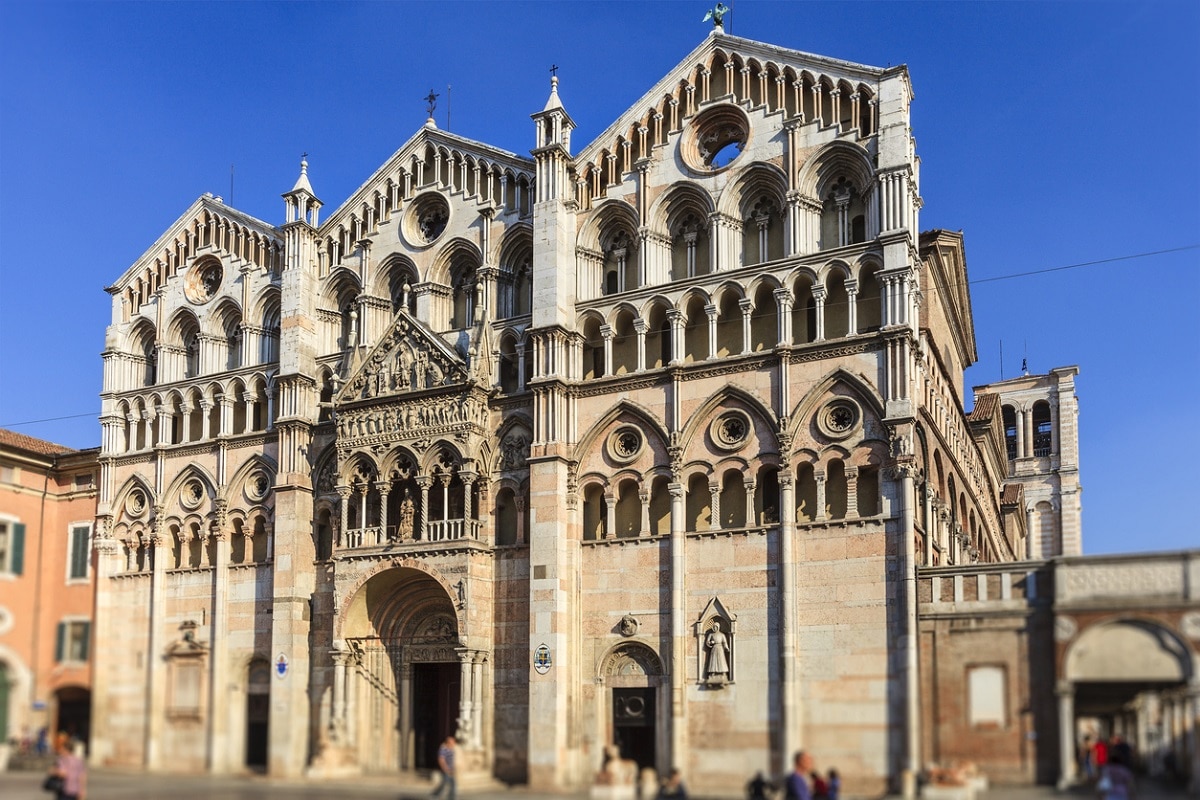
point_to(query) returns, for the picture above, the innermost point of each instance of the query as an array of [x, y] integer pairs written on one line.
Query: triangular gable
[[186, 235], [702, 55], [402, 161], [408, 358]]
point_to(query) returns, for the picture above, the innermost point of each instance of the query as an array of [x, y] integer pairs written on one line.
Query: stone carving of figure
[[405, 529], [716, 668]]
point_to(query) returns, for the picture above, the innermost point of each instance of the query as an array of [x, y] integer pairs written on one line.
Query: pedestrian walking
[[69, 769], [445, 761], [796, 787]]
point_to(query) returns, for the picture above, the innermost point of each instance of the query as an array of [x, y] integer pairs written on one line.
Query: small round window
[[839, 418], [715, 138], [731, 430], [203, 280], [426, 219], [625, 444]]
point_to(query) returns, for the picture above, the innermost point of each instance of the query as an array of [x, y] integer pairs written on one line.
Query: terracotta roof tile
[[987, 406], [30, 444]]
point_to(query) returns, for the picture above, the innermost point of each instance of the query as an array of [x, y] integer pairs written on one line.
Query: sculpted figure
[[716, 668], [405, 528]]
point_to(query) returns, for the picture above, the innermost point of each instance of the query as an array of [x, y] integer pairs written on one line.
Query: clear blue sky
[[1052, 134]]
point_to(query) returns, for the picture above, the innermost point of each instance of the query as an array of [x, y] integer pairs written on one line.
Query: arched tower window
[[762, 232], [462, 284], [620, 263], [1043, 429], [689, 247], [843, 216], [1009, 418]]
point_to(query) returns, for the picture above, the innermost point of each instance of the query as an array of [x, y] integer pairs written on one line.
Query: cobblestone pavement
[[112, 785]]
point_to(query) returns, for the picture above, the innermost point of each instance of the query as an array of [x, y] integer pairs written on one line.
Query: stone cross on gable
[[431, 102]]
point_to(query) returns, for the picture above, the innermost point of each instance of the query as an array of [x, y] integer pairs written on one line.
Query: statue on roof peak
[[717, 15]]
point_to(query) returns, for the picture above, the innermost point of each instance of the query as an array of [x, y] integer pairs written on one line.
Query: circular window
[[426, 219], [203, 280], [135, 504], [192, 494], [839, 418], [258, 485], [625, 444], [715, 138], [730, 430]]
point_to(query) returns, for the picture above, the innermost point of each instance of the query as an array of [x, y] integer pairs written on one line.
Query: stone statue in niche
[[716, 665], [405, 528]]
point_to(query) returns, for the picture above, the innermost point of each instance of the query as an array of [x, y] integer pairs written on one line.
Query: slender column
[[520, 503], [639, 327], [218, 744], [423, 483], [751, 518], [644, 496], [1020, 423], [711, 311], [337, 721], [468, 483], [607, 332], [477, 699], [466, 705], [852, 492], [677, 320], [384, 488], [1027, 423], [819, 478], [1192, 731], [714, 522], [852, 308], [155, 667], [1066, 734], [746, 307], [790, 721], [784, 302], [678, 670], [610, 516], [406, 731], [818, 293]]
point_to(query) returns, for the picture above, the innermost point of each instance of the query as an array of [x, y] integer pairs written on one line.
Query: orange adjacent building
[[47, 512]]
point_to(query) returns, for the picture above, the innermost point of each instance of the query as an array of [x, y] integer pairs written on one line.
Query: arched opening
[[835, 490], [837, 306], [1043, 430], [733, 500], [660, 506], [620, 262], [868, 301], [593, 512], [324, 536], [624, 344], [506, 517], [806, 493], [509, 367], [658, 338], [1009, 418], [593, 349], [762, 232], [764, 322], [462, 288], [766, 497], [729, 325], [695, 331], [690, 252], [697, 504], [629, 509], [74, 711], [868, 491], [804, 312], [843, 215]]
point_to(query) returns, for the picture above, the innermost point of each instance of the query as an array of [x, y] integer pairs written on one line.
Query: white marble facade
[[639, 441]]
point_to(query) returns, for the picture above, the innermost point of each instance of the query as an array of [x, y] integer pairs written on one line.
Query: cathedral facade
[[640, 442]]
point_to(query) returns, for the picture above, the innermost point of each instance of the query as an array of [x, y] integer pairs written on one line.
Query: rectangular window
[[987, 696], [12, 547], [72, 641], [80, 552], [84, 480]]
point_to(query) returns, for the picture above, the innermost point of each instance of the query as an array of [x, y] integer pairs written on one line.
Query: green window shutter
[[18, 548], [85, 638], [79, 552], [60, 641]]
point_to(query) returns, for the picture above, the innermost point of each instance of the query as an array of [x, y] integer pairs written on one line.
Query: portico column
[[477, 699], [677, 320], [851, 308], [1027, 422], [1066, 734], [610, 515], [344, 511], [851, 492], [423, 483], [784, 301], [468, 483], [466, 706], [520, 503], [644, 496], [155, 667], [750, 519]]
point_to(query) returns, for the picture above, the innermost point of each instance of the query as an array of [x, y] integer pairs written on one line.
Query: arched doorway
[[5, 687], [633, 674], [258, 705], [1122, 677], [408, 681], [74, 711]]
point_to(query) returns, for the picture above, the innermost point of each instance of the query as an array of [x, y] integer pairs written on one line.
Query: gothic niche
[[714, 631], [514, 450]]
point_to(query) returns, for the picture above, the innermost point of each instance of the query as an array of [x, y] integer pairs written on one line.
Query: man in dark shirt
[[445, 760], [797, 784]]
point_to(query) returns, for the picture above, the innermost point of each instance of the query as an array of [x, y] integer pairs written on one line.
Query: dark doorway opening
[[258, 711], [633, 724], [435, 692], [75, 712]]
